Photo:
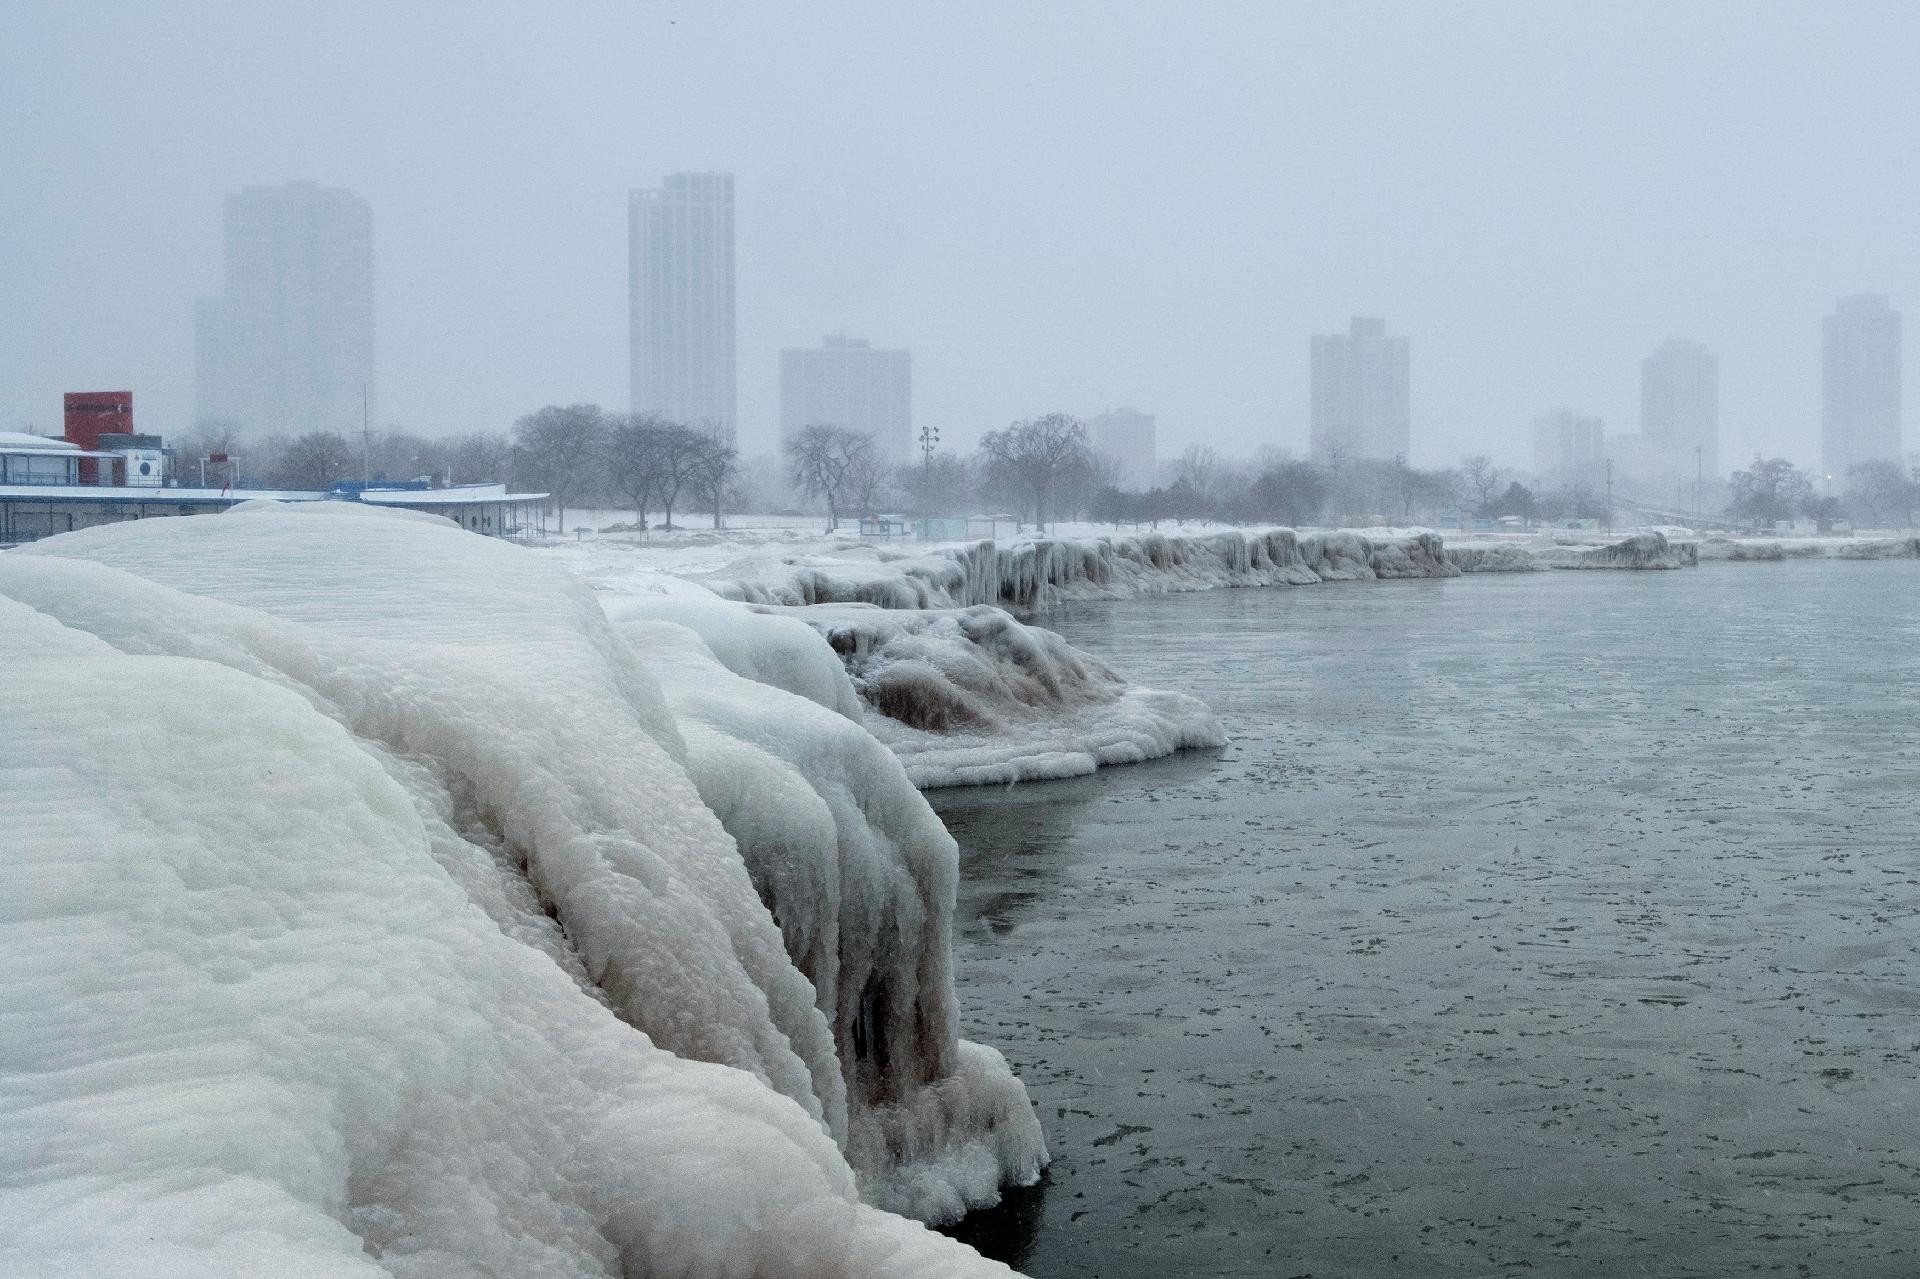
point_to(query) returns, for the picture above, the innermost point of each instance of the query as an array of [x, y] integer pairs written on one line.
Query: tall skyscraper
[[847, 382], [1861, 380], [1361, 407], [1680, 408], [289, 348], [1126, 436], [1569, 448], [680, 299]]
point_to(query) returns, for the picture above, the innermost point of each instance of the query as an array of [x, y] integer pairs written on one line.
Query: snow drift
[[1032, 573], [385, 913]]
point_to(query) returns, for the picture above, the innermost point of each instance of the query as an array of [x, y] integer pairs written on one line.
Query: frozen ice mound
[[377, 919], [1032, 573], [1492, 557], [973, 696], [1644, 550], [1886, 548]]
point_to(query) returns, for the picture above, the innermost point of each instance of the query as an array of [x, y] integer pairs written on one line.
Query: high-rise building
[[681, 301], [1361, 407], [1680, 408], [1126, 436], [1569, 448], [1861, 380], [847, 382], [289, 348]]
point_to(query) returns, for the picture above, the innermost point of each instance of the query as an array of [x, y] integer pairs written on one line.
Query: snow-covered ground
[[386, 905]]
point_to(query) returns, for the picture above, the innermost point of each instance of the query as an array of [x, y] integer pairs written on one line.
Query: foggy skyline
[[1073, 207]]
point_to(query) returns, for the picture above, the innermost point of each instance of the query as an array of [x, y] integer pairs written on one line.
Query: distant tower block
[[1680, 408], [1361, 403], [848, 382], [289, 348], [1126, 436], [1861, 384], [680, 300]]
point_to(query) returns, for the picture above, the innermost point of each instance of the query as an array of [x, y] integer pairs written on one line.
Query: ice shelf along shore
[[384, 904], [966, 693]]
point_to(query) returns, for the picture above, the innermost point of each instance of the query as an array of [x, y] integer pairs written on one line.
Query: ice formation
[[1492, 557], [1643, 550], [1842, 548], [1032, 573], [971, 696], [379, 918]]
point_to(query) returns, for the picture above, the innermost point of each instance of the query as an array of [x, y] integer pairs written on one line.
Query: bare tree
[[1038, 458], [562, 447], [633, 461], [1770, 490], [821, 460], [942, 484], [479, 458], [1884, 492], [315, 461], [1196, 468], [715, 468], [866, 479], [683, 454], [1482, 480]]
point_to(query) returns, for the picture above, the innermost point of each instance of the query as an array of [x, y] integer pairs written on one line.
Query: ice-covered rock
[[859, 874], [373, 918], [973, 696]]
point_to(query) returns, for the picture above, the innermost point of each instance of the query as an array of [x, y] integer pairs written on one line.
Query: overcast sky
[[1054, 206]]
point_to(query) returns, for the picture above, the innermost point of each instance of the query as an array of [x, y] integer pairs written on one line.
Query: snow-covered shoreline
[[391, 906], [962, 689]]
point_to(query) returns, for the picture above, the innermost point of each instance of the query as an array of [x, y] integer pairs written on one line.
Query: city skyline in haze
[[1057, 208]]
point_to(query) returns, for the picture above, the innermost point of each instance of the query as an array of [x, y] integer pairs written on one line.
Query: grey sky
[[1054, 205]]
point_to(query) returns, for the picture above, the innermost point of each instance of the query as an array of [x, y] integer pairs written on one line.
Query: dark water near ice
[[1558, 924]]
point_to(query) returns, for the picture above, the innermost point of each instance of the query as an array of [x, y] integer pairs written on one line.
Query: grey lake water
[[1550, 924]]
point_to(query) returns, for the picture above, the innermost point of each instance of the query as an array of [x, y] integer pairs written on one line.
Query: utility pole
[[1609, 497], [929, 441], [1699, 487], [366, 440]]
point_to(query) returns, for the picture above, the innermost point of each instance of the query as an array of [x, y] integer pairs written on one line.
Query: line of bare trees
[[319, 459], [578, 451]]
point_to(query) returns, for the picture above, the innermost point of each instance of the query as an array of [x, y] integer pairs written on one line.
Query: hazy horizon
[[1069, 207]]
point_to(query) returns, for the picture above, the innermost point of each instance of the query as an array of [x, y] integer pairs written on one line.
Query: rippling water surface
[[1558, 924]]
